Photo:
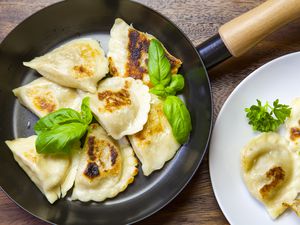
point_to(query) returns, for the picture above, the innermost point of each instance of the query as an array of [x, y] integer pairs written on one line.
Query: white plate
[[279, 78]]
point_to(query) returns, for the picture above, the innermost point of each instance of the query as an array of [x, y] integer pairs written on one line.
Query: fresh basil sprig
[[179, 118], [166, 86], [177, 84], [58, 131], [159, 68]]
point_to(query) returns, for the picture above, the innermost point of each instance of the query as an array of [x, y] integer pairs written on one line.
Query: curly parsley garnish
[[266, 118]]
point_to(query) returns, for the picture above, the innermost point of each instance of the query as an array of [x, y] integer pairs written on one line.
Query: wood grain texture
[[199, 19], [245, 31]]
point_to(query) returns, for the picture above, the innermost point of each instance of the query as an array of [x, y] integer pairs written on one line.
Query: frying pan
[[67, 20]]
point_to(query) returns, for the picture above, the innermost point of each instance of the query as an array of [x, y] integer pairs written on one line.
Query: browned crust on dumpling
[[175, 63], [276, 175], [114, 100], [45, 103], [99, 164], [294, 133], [112, 68], [153, 125], [89, 55], [137, 57], [91, 170], [90, 146], [137, 49], [113, 155], [82, 71]]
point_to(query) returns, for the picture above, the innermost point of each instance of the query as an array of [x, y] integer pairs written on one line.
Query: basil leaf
[[58, 131], [59, 117], [60, 139], [178, 117], [177, 84], [86, 113], [159, 90], [158, 64]]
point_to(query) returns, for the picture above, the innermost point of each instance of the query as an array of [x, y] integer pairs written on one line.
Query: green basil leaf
[[170, 91], [178, 117], [177, 83], [59, 117], [86, 113], [159, 90], [158, 64], [60, 139]]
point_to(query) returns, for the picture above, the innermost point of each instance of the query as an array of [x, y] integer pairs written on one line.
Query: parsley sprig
[[266, 118]]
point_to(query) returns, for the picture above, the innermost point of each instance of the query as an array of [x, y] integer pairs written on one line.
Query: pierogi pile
[[271, 166], [131, 122]]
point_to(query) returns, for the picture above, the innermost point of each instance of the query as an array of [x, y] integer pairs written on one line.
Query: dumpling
[[271, 171], [128, 52], [293, 123], [54, 175], [80, 63], [106, 167], [295, 206], [155, 144], [121, 105], [42, 97]]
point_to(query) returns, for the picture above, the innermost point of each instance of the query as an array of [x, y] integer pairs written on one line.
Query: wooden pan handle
[[245, 31]]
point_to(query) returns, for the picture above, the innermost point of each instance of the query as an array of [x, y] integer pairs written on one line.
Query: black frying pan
[[70, 19]]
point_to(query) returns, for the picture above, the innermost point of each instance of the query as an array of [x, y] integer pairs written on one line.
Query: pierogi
[[80, 63], [271, 171], [106, 167], [293, 123], [54, 175], [43, 96], [121, 105], [155, 144], [128, 52]]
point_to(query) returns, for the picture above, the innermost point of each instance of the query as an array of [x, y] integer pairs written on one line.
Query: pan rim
[[210, 101]]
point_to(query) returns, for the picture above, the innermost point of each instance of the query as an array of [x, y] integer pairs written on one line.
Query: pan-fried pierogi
[[106, 167], [80, 63], [128, 52]]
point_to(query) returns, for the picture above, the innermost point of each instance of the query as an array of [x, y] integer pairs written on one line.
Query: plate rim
[[209, 132], [232, 94]]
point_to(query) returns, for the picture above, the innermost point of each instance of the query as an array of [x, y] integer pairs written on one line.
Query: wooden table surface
[[199, 19]]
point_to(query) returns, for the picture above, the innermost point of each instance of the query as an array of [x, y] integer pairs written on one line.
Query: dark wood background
[[199, 19]]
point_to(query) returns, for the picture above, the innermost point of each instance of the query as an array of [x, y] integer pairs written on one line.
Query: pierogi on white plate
[[271, 171], [293, 123], [121, 105], [128, 52], [155, 144], [43, 96], [54, 175], [80, 63], [106, 167]]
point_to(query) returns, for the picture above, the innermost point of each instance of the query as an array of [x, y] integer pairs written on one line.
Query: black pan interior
[[67, 20]]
